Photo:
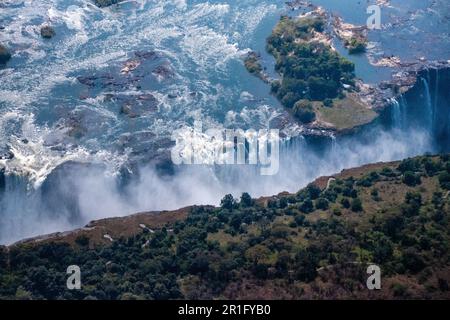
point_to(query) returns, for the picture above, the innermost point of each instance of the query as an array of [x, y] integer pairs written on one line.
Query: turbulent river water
[[62, 103]]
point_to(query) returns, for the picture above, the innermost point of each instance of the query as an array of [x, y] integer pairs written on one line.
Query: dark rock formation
[[106, 3], [2, 179], [5, 54], [47, 32], [144, 67], [136, 107], [163, 72]]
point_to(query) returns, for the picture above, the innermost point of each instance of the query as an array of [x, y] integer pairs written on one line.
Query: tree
[[412, 260], [345, 203], [444, 180], [328, 102], [299, 219], [246, 200], [306, 206], [307, 262], [82, 240], [228, 202], [313, 191], [257, 254], [303, 111], [322, 204], [356, 205], [410, 179]]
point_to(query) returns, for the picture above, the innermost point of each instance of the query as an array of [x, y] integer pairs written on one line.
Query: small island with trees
[[317, 85]]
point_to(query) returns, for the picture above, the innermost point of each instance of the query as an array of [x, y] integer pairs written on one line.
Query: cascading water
[[428, 110], [396, 114], [203, 42]]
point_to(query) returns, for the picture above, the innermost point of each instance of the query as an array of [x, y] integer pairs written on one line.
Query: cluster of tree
[[252, 63], [356, 45], [285, 242], [310, 69]]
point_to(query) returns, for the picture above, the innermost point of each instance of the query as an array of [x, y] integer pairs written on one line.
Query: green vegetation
[[345, 113], [313, 244], [356, 45], [310, 69], [253, 65], [303, 111]]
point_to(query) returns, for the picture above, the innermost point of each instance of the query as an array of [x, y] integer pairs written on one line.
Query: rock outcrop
[[106, 3], [5, 54], [47, 32]]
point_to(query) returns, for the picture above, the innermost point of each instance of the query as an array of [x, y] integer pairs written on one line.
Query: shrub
[[356, 46], [356, 205], [306, 206], [304, 112], [228, 202], [246, 200], [299, 219], [328, 102], [322, 204], [82, 240], [345, 203], [411, 179]]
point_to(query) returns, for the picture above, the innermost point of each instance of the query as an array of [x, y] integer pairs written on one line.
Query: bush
[[246, 200], [82, 240], [356, 205], [413, 261], [313, 191], [387, 172], [304, 112], [345, 203], [299, 219], [322, 204], [444, 180], [411, 179], [228, 202], [306, 206], [252, 64], [409, 165], [328, 102], [356, 46]]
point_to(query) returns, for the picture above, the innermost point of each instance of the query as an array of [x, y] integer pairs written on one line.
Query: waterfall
[[436, 90], [403, 110], [17, 206], [429, 112], [333, 144], [396, 114]]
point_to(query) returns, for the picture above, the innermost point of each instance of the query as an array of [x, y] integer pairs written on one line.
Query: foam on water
[[199, 39], [204, 42]]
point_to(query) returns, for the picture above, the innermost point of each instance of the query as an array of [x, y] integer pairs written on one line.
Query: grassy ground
[[345, 114]]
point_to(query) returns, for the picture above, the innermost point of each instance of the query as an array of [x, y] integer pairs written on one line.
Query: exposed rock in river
[[47, 32], [5, 54], [138, 106], [106, 3]]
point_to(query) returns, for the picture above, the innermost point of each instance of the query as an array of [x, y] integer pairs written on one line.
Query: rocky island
[[318, 85]]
